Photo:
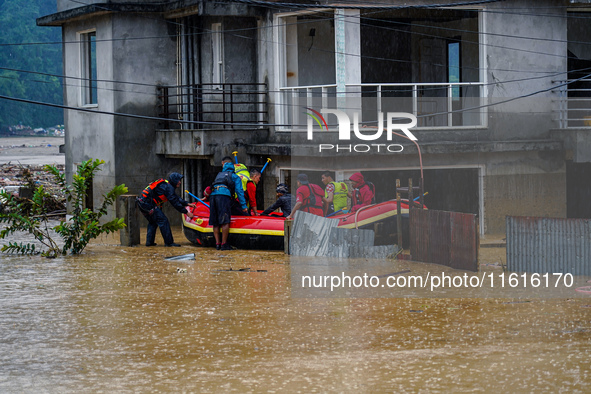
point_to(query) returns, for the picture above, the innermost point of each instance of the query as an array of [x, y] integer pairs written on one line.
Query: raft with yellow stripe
[[266, 232], [246, 232]]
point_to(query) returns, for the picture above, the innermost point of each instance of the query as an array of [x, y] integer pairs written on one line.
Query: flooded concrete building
[[499, 91]]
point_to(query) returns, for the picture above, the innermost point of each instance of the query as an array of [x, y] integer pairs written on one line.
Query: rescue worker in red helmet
[[150, 203], [363, 193]]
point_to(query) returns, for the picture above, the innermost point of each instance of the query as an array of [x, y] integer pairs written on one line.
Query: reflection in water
[[126, 319]]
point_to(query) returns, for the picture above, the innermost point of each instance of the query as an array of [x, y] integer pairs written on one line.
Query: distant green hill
[[25, 46]]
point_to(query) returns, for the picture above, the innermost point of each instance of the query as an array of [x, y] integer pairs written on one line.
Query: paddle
[[334, 213], [416, 198], [197, 198], [265, 166]]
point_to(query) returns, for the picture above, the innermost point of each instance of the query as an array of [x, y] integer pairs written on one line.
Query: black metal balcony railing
[[213, 106]]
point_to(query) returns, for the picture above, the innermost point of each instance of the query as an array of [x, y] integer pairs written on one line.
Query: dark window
[[89, 84]]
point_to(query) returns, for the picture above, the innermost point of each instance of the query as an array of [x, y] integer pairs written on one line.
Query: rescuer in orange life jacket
[[150, 205]]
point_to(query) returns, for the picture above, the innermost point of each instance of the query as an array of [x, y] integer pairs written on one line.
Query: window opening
[[453, 68], [89, 71]]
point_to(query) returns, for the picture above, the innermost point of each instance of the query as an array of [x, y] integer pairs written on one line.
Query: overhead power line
[[227, 124], [364, 16], [145, 117], [198, 89], [274, 4]]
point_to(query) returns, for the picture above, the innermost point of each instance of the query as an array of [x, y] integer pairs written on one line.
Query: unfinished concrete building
[[499, 90]]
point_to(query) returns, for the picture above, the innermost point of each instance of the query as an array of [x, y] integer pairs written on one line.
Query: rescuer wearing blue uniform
[[150, 205], [226, 185]]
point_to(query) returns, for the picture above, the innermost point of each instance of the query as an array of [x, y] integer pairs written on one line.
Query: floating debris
[[190, 256], [240, 270]]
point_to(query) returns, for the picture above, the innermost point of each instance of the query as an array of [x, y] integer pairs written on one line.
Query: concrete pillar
[[126, 209], [199, 169], [291, 51], [287, 225], [348, 57]]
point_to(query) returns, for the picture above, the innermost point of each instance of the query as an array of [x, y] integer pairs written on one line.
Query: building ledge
[[59, 18], [172, 9], [205, 143]]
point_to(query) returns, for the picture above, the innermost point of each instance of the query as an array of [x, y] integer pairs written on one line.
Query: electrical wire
[[96, 111], [145, 117], [386, 59], [329, 18], [229, 31], [74, 86], [198, 89], [275, 4]]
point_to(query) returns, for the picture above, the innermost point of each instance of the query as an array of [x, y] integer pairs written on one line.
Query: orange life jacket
[[148, 193]]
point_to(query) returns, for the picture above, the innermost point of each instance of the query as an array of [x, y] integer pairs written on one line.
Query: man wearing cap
[[308, 197], [150, 205], [283, 201]]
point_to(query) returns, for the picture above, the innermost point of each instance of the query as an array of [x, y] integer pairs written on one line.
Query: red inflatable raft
[[266, 232]]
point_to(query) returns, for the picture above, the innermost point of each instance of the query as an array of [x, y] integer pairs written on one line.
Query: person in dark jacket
[[225, 186], [150, 205], [284, 201]]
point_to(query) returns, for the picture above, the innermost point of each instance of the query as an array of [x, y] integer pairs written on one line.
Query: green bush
[[76, 233]]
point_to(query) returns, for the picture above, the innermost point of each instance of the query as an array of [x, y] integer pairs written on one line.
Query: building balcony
[[213, 106], [202, 118], [436, 105], [573, 109]]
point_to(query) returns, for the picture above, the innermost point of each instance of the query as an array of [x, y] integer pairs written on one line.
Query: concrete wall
[[240, 49], [523, 195], [90, 135], [135, 61], [526, 183], [509, 58], [126, 144]]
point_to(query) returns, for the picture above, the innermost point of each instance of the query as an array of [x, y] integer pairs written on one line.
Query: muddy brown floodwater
[[119, 319]]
